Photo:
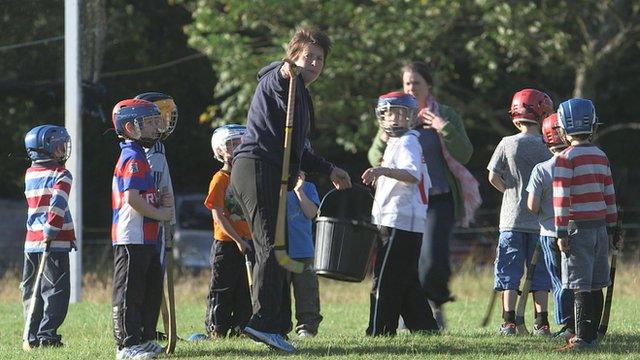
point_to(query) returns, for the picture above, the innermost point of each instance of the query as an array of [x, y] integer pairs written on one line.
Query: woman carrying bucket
[[257, 168], [454, 193]]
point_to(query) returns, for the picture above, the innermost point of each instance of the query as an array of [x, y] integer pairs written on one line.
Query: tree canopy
[[206, 53]]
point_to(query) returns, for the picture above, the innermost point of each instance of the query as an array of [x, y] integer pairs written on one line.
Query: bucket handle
[[355, 185]]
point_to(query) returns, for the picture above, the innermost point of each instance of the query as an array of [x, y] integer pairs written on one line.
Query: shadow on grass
[[458, 344]]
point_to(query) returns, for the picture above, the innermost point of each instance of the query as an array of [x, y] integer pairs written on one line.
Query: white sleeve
[[409, 156], [160, 171]]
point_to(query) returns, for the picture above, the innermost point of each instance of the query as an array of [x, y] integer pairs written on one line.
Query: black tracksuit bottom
[[396, 289], [228, 302], [137, 293], [255, 186]]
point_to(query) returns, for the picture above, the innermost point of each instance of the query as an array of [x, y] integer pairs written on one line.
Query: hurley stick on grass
[[280, 247], [487, 314], [526, 289], [169, 299], [617, 237]]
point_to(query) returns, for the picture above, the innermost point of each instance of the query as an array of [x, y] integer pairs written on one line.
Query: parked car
[[193, 232]]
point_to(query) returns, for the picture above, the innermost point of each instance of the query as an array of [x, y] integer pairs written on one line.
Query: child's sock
[[542, 318], [509, 316], [583, 310], [598, 304]]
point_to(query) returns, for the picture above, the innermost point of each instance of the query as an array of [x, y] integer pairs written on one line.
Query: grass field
[[87, 330]]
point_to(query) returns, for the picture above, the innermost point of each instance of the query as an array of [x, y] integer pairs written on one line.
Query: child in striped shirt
[[585, 214], [49, 229]]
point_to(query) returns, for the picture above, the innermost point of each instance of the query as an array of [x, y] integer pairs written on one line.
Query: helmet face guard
[[168, 109], [396, 112], [48, 142], [140, 113], [169, 112], [395, 120], [223, 138]]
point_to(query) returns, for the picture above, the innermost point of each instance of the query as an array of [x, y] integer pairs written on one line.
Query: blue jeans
[[515, 249], [563, 298], [52, 298]]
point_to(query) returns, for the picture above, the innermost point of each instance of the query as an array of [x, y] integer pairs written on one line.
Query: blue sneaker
[[274, 341]]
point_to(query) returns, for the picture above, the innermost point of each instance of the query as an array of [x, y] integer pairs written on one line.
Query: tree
[[370, 42]]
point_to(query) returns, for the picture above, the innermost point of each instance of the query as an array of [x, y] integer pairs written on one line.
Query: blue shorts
[[514, 247]]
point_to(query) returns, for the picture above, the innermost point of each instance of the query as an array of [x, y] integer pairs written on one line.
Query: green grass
[[88, 335]]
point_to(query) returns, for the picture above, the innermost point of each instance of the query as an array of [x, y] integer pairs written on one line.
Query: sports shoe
[[135, 352], [564, 334], [305, 334], [577, 344], [152, 346], [274, 341], [541, 330], [438, 315], [51, 343], [507, 329]]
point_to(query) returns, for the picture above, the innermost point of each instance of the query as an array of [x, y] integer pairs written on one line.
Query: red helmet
[[530, 105], [550, 134]]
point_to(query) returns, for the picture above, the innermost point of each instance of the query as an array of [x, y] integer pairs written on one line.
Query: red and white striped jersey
[[583, 188], [47, 188]]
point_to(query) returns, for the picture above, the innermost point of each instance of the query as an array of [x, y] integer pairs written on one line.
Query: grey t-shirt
[[513, 159], [541, 185]]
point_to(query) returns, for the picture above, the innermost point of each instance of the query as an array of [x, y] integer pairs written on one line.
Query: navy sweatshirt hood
[[264, 139]]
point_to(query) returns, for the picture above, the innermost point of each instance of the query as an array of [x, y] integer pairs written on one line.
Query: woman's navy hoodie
[[264, 139]]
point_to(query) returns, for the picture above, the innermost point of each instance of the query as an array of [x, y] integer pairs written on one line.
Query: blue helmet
[[224, 134], [577, 116], [398, 100], [42, 143], [135, 111]]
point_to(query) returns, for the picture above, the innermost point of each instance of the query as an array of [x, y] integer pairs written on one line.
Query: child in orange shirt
[[228, 302]]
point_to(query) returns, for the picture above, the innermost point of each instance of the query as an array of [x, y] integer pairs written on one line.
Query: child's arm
[[534, 188], [496, 180], [57, 206], [227, 228], [562, 178], [309, 208], [372, 174], [497, 166], [533, 203], [135, 200]]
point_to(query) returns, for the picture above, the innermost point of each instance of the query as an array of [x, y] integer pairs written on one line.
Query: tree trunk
[[584, 81], [94, 26]]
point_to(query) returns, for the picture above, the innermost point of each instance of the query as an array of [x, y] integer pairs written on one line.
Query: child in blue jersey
[[50, 229], [302, 206], [137, 276]]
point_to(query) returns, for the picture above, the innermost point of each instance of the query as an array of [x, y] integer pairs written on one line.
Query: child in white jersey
[[399, 210]]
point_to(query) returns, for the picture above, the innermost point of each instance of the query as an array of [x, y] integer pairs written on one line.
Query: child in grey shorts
[[585, 215]]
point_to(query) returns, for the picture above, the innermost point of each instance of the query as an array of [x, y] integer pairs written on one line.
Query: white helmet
[[224, 134]]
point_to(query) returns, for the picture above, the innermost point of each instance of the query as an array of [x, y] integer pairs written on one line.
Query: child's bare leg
[[541, 301], [509, 298]]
